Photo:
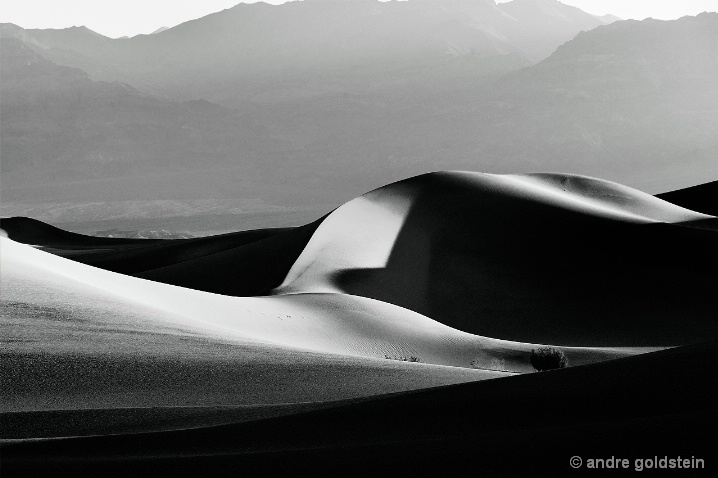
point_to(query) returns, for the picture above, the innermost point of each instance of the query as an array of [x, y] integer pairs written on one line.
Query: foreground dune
[[518, 426]]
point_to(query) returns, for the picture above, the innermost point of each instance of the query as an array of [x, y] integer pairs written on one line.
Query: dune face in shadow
[[32, 231], [702, 198], [542, 258], [250, 269], [246, 263]]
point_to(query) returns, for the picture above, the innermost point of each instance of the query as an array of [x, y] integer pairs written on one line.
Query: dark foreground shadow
[[662, 404]]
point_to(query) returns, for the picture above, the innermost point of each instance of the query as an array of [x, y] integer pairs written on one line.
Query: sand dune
[[269, 350], [79, 338], [70, 302], [32, 231], [98, 353], [205, 263], [546, 258], [702, 198], [429, 267]]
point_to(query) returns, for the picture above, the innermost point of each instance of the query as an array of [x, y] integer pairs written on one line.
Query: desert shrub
[[548, 358], [402, 358]]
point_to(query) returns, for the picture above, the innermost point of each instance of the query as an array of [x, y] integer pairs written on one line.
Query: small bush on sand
[[402, 359], [548, 358]]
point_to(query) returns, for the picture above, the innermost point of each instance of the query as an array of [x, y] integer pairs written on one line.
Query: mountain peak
[[83, 30]]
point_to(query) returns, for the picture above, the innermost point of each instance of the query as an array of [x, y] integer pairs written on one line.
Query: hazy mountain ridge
[[631, 101], [623, 96], [251, 42], [59, 125], [542, 25]]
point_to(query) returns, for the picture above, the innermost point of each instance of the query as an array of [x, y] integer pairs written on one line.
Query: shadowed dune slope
[[119, 420], [233, 267], [545, 258], [32, 231], [702, 198], [207, 263], [617, 408]]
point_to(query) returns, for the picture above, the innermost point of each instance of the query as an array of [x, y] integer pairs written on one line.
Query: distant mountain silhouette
[[205, 58], [59, 125], [630, 100], [73, 38], [542, 25], [320, 101]]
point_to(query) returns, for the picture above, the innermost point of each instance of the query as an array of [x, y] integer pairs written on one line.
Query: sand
[[400, 325], [656, 404], [544, 258]]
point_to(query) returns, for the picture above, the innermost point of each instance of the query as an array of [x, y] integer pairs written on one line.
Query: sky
[[116, 18], [641, 9]]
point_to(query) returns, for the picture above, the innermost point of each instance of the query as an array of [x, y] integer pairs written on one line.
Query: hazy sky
[[640, 9], [115, 18]]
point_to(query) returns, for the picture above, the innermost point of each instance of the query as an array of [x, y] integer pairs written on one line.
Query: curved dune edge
[[325, 323], [362, 232], [204, 263], [479, 253]]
